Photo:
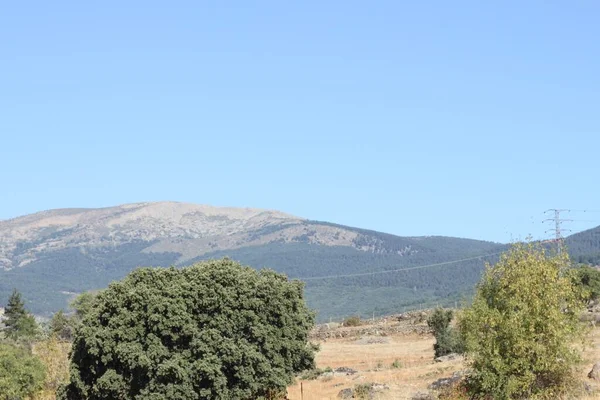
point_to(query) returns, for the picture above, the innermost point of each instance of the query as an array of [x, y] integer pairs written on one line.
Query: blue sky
[[461, 118]]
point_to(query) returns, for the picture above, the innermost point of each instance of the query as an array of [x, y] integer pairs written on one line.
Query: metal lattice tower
[[558, 229]]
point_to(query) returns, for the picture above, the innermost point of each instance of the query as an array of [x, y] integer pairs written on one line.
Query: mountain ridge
[[52, 254]]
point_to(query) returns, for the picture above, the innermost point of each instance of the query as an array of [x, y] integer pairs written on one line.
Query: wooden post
[[301, 391]]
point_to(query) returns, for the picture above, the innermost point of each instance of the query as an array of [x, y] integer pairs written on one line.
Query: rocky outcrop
[[449, 357], [595, 372], [447, 382]]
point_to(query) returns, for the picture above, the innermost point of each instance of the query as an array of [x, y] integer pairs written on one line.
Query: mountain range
[[52, 255]]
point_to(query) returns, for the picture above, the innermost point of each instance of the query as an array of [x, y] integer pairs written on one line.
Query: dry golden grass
[[372, 361], [374, 364], [54, 354], [591, 356], [415, 353]]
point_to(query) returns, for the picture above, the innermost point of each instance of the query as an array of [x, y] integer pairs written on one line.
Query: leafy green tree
[[447, 338], [61, 326], [18, 323], [21, 374], [83, 303], [522, 325], [589, 280], [215, 330]]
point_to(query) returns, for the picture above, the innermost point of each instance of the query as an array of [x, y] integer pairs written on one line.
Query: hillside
[[52, 255], [584, 247]]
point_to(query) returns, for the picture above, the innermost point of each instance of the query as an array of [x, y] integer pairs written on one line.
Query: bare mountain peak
[[163, 210], [110, 226]]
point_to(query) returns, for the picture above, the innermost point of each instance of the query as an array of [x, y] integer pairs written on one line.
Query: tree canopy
[[589, 279], [21, 374], [522, 325], [215, 330], [18, 323]]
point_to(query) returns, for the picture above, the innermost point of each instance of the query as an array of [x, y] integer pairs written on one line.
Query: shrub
[[212, 330], [352, 321], [522, 325], [61, 326], [588, 279], [447, 339], [363, 391], [54, 355], [314, 373], [396, 364], [21, 373]]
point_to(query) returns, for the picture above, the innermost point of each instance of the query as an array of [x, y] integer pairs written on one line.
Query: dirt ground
[[413, 371]]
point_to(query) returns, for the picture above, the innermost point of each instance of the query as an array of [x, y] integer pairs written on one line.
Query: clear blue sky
[[462, 118]]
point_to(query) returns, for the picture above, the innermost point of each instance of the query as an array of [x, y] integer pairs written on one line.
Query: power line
[[398, 270]]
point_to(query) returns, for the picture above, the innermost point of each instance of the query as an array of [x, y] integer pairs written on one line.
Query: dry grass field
[[413, 372], [402, 360]]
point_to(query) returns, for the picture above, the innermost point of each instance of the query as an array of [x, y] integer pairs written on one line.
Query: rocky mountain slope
[[188, 229], [54, 254]]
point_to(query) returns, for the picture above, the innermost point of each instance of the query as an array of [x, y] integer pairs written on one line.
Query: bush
[[447, 339], [21, 374], [588, 279], [522, 325], [61, 326], [215, 330], [448, 342], [363, 391], [352, 321], [53, 354], [314, 373]]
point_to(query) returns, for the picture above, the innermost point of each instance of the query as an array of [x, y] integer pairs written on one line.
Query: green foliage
[[18, 323], [352, 321], [588, 279], [363, 391], [21, 374], [397, 364], [449, 341], [439, 320], [44, 281], [314, 373], [84, 303], [215, 330], [584, 247], [522, 325], [62, 326], [447, 338]]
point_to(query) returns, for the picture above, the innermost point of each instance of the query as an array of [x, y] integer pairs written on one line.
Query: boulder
[[422, 396], [449, 357], [595, 372], [447, 382], [344, 371], [345, 394]]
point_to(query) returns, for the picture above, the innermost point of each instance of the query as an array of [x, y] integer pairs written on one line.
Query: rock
[[345, 394], [422, 396], [344, 371], [595, 372], [449, 357], [373, 340], [446, 382], [379, 387]]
